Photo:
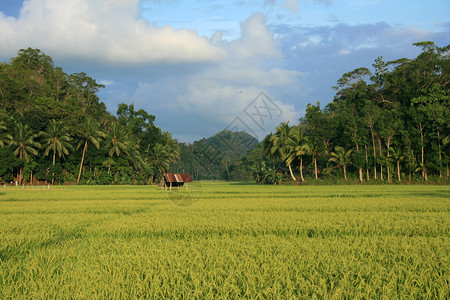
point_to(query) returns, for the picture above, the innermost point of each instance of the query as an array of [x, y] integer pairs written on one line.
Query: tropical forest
[[387, 123]]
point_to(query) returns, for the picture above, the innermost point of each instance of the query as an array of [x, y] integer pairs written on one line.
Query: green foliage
[[40, 104], [204, 159]]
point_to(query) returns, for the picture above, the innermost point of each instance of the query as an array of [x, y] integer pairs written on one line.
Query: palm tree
[[299, 146], [160, 158], [226, 161], [171, 146], [90, 133], [341, 158], [116, 138], [280, 145], [22, 141], [314, 151], [397, 156], [4, 137], [165, 152], [57, 140]]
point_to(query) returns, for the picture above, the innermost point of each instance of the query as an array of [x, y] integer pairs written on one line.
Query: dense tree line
[[54, 128], [388, 123]]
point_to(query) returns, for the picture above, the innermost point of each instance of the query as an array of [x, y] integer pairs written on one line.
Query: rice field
[[225, 240]]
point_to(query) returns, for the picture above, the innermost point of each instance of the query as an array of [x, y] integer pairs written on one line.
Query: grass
[[225, 240]]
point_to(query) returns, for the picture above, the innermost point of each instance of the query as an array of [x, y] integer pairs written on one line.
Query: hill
[[211, 157]]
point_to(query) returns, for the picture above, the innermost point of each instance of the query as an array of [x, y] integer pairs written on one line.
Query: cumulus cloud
[[224, 91], [113, 34], [102, 30]]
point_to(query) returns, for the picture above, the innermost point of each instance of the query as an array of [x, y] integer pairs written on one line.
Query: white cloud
[[111, 32], [291, 5], [106, 82], [222, 92], [102, 30]]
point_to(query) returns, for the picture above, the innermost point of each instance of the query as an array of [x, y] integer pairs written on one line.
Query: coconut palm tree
[[314, 151], [56, 140], [160, 158], [23, 143], [226, 161], [397, 156], [165, 152], [341, 158], [299, 147], [4, 137], [90, 133], [116, 139], [171, 145], [280, 145]]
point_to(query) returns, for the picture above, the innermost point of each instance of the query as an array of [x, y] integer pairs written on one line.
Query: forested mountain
[[214, 157], [54, 128]]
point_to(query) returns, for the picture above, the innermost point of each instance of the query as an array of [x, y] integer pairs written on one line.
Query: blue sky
[[200, 65]]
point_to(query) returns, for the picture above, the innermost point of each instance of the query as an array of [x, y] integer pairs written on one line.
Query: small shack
[[176, 180]]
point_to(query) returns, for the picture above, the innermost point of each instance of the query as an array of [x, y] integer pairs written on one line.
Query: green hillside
[[210, 157]]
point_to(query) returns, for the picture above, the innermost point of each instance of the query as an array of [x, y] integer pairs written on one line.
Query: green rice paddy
[[225, 240]]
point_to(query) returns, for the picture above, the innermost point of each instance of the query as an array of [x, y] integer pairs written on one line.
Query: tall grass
[[234, 241]]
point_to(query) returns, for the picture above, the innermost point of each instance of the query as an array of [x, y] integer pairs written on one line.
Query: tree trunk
[[315, 167], [53, 173], [440, 154], [374, 153], [424, 171], [20, 171], [345, 172], [387, 164], [367, 163], [292, 174], [82, 160], [301, 169], [360, 169], [398, 171], [381, 166]]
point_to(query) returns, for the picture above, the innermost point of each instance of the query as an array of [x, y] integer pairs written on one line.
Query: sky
[[203, 66]]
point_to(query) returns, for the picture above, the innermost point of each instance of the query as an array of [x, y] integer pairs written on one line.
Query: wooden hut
[[176, 180]]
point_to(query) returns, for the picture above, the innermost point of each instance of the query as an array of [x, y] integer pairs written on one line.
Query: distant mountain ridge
[[232, 144], [209, 158]]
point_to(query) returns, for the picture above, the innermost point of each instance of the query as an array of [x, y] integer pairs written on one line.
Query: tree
[[4, 137], [24, 145], [57, 140], [227, 162], [389, 123], [89, 133], [371, 113], [116, 139], [320, 124], [341, 158], [280, 145], [397, 157], [84, 89], [160, 158], [434, 103], [315, 152], [299, 147]]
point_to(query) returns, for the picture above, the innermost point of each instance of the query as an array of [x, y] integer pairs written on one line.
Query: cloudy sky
[[202, 66]]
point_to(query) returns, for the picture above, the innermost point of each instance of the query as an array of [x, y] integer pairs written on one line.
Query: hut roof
[[177, 177]]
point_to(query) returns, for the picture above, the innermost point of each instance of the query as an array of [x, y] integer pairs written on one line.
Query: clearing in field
[[225, 240]]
